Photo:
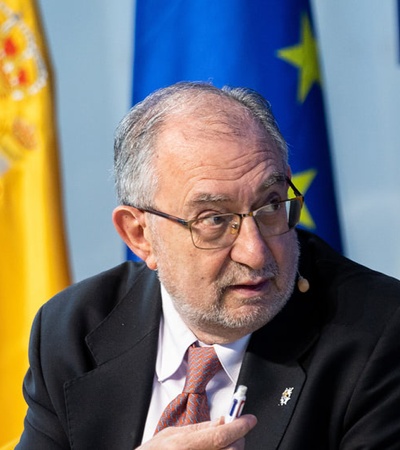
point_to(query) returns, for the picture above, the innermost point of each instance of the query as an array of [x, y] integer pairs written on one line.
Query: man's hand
[[213, 435]]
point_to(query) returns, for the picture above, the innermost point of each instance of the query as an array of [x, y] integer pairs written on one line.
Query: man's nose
[[250, 248]]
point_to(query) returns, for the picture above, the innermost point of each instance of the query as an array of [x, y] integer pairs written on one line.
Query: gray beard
[[217, 315]]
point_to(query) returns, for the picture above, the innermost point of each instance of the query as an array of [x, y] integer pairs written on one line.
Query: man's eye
[[215, 221], [274, 206], [270, 208]]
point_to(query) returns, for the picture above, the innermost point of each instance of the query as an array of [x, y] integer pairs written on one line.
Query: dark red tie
[[191, 405]]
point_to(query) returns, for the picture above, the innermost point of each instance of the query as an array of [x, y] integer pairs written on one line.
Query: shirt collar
[[175, 338]]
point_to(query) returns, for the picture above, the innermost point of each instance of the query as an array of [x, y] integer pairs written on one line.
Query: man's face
[[226, 293]]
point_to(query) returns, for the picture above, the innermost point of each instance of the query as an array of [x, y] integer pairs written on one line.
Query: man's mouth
[[258, 286]]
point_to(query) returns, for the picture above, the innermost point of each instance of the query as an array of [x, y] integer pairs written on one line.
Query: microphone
[[302, 284]]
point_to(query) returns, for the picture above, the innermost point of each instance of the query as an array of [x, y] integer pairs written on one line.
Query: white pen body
[[238, 401]]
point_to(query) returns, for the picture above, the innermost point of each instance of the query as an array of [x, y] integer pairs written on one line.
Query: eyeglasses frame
[[188, 223]]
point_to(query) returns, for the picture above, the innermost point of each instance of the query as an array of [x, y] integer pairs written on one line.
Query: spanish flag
[[33, 256]]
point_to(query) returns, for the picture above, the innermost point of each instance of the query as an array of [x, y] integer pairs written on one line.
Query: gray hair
[[135, 139]]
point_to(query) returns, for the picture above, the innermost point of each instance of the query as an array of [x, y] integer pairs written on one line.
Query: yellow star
[[304, 56], [302, 181]]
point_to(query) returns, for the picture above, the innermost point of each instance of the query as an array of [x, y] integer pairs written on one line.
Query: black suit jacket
[[336, 348]]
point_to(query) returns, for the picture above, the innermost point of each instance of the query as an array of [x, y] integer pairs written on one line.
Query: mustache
[[238, 274]]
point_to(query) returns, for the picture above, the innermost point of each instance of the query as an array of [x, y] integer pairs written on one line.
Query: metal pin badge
[[286, 395]]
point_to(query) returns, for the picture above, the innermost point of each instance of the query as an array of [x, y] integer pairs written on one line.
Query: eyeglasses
[[216, 231]]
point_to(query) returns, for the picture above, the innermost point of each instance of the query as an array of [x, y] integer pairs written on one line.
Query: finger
[[213, 435], [226, 435], [238, 445]]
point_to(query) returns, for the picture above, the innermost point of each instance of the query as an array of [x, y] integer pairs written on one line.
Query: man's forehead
[[200, 145], [221, 119]]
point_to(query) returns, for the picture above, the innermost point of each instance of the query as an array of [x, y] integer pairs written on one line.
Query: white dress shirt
[[170, 373]]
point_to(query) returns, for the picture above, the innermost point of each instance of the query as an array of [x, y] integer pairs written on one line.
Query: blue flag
[[266, 45]]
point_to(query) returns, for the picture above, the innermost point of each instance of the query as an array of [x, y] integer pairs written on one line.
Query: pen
[[238, 401]]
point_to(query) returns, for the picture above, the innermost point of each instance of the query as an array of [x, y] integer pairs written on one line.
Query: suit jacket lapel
[[273, 391], [110, 402], [273, 372]]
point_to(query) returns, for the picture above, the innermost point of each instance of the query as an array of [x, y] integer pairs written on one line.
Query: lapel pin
[[286, 395]]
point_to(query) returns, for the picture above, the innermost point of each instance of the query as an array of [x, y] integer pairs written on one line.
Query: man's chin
[[252, 314]]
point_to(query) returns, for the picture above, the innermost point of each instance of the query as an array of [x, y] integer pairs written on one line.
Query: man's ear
[[131, 225]]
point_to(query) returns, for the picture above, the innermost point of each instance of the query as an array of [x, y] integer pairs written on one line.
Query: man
[[207, 203]]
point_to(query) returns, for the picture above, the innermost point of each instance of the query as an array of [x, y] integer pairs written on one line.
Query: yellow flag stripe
[[33, 257]]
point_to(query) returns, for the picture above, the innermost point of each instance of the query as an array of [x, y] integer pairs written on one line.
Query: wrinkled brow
[[204, 198], [275, 178]]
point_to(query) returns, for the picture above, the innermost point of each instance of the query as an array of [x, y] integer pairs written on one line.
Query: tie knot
[[203, 364]]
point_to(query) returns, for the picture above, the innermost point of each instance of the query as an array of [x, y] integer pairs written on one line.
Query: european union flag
[[266, 45]]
